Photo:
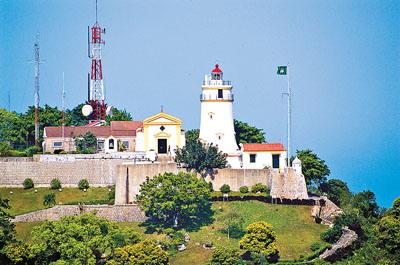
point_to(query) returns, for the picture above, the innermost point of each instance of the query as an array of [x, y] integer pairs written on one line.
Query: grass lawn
[[24, 201], [295, 229]]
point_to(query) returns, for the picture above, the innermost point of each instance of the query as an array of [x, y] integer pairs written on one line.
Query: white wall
[[263, 159]]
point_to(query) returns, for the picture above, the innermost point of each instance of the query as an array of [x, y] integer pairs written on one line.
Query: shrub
[[28, 183], [30, 151], [5, 149], [83, 184], [259, 187], [111, 195], [315, 246], [49, 199], [210, 186], [224, 256], [332, 234], [55, 184], [225, 188], [244, 189]]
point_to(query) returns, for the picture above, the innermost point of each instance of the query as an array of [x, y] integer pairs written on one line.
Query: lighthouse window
[[252, 158], [220, 93]]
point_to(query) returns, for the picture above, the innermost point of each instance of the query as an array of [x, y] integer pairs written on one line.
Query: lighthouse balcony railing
[[229, 97], [216, 83]]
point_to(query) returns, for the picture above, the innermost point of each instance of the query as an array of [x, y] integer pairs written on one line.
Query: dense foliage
[[175, 200], [225, 256], [17, 130], [260, 239], [7, 233], [86, 144], [314, 168], [199, 157], [246, 133], [143, 253], [225, 188]]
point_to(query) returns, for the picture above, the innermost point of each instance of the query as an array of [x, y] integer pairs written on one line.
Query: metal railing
[[216, 83], [229, 97]]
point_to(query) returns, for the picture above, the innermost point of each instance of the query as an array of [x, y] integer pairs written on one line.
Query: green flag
[[282, 70]]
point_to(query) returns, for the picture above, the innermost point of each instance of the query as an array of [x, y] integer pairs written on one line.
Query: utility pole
[[63, 106], [289, 114]]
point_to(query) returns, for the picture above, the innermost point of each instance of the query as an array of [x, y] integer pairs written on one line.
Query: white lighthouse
[[216, 123]]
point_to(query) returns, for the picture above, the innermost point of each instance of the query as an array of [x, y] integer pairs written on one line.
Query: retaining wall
[[100, 172], [130, 177], [117, 213]]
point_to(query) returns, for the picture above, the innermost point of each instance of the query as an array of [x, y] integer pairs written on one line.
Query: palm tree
[[49, 199]]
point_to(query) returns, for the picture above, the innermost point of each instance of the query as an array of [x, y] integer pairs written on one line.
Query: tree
[[119, 115], [202, 158], [388, 230], [260, 239], [79, 239], [75, 116], [192, 135], [365, 202], [337, 191], [143, 253], [224, 256], [7, 232], [12, 129], [5, 149], [232, 224], [86, 144], [246, 133], [175, 200], [314, 169]]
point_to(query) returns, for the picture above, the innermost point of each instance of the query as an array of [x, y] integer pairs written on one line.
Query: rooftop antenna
[[96, 11]]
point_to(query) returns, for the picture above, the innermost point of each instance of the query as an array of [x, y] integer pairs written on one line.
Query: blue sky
[[344, 58]]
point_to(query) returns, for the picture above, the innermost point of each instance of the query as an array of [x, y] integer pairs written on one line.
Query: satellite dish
[[87, 110], [109, 111]]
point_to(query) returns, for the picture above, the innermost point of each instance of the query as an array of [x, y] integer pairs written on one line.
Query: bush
[[28, 183], [315, 246], [225, 188], [332, 234], [55, 184], [5, 149], [32, 150], [225, 256], [49, 199], [83, 184], [244, 189], [210, 186], [111, 195], [259, 188]]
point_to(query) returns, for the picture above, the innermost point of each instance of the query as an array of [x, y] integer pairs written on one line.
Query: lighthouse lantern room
[[216, 122]]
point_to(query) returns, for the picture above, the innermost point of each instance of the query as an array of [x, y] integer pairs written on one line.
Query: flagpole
[[289, 118]]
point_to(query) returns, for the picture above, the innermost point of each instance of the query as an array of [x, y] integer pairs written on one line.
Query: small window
[[162, 128], [100, 145], [220, 93], [126, 144], [111, 144], [57, 144], [252, 158]]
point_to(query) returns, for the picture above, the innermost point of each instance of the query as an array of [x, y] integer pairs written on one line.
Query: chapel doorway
[[162, 146]]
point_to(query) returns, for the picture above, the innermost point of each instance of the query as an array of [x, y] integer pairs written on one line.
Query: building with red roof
[[263, 155]]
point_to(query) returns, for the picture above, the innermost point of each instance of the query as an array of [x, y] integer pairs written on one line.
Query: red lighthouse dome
[[216, 74]]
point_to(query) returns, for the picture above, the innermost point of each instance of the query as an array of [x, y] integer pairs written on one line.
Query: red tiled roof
[[216, 69], [117, 128], [263, 147]]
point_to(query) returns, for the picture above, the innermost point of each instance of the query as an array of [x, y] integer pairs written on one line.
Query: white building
[[258, 156], [216, 122]]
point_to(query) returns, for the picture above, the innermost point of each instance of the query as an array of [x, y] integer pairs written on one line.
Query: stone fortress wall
[[130, 176]]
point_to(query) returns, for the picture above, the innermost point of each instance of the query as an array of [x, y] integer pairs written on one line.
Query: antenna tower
[[96, 98], [37, 63]]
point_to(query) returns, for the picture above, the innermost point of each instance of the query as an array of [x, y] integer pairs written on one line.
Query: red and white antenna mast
[[97, 111]]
